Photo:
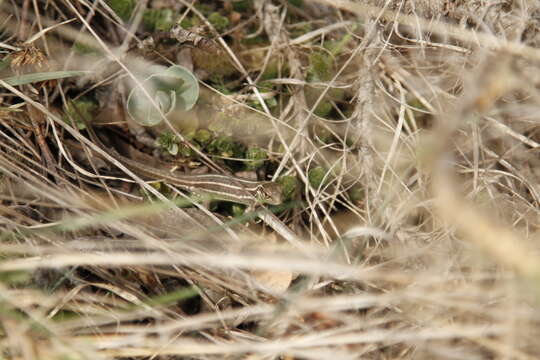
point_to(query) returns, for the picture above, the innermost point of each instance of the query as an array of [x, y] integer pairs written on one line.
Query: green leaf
[[173, 88], [4, 63], [173, 149], [168, 142], [43, 76]]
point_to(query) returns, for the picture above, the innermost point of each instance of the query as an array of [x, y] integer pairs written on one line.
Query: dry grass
[[411, 129]]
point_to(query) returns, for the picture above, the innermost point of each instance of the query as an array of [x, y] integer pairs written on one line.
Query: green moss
[[243, 5], [122, 8], [158, 19], [321, 66], [187, 23], [203, 137], [256, 156], [317, 177], [224, 146], [323, 109], [79, 110], [289, 186], [221, 23]]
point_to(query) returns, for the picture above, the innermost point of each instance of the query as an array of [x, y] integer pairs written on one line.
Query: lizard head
[[269, 193]]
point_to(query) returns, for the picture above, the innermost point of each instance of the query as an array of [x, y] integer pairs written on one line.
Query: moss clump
[[289, 187], [321, 66], [221, 23], [243, 5], [224, 146], [79, 110], [122, 8], [256, 157], [317, 177], [158, 19], [203, 137], [323, 109]]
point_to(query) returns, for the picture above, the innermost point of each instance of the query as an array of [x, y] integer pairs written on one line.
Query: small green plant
[[163, 91], [224, 146], [168, 142], [185, 151]]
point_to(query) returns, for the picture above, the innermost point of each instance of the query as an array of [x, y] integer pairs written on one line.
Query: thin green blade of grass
[[172, 297], [42, 76]]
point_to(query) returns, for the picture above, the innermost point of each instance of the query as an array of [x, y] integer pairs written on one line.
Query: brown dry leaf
[[276, 281]]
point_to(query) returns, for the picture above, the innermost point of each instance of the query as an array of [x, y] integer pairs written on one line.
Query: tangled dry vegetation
[[404, 134]]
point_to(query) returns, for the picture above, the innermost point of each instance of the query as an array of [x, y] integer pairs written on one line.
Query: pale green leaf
[[43, 76]]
